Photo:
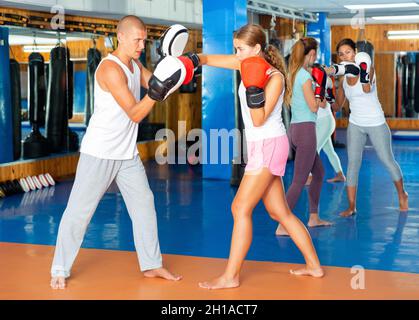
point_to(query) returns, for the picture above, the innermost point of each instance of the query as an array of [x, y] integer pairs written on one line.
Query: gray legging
[[380, 137], [303, 140]]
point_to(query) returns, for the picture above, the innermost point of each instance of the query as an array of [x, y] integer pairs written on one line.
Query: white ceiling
[[335, 6], [337, 13]]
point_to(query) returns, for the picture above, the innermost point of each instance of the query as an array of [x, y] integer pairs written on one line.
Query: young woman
[[325, 126], [267, 156], [365, 120], [302, 131]]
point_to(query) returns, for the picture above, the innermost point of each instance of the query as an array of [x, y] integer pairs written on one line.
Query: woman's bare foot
[[404, 202], [308, 182], [161, 273], [347, 213], [221, 283], [280, 231], [338, 178], [313, 272], [57, 282], [315, 221]]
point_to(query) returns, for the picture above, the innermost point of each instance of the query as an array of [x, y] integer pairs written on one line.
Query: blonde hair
[[253, 34], [300, 49]]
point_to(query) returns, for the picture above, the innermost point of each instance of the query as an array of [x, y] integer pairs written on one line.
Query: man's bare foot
[[347, 213], [404, 202], [221, 283], [338, 178], [161, 273], [315, 221], [308, 182], [280, 231], [57, 283], [313, 272]]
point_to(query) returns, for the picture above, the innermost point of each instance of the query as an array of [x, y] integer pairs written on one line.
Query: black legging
[[303, 142]]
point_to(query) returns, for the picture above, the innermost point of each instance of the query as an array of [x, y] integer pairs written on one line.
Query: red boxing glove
[[189, 66], [320, 78], [255, 75]]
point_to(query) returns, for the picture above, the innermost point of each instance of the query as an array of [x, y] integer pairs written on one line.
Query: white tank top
[[365, 107], [273, 126], [111, 134], [324, 112]]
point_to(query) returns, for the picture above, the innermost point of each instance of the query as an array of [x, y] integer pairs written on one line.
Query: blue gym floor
[[194, 216]]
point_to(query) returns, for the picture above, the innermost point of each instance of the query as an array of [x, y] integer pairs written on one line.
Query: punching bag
[[286, 119], [6, 129], [399, 66], [70, 86], [239, 163], [16, 96], [37, 90], [56, 127], [411, 75], [73, 138], [35, 145], [93, 60], [408, 112], [366, 46], [417, 83]]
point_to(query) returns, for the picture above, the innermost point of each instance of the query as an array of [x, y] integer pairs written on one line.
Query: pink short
[[271, 153]]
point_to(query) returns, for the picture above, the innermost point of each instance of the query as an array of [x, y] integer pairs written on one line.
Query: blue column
[[6, 132], [321, 31], [220, 19]]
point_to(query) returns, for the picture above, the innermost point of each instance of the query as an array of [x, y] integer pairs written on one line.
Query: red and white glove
[[363, 60]]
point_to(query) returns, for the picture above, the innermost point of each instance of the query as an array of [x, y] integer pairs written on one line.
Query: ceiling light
[[35, 48], [403, 34], [412, 17], [382, 6]]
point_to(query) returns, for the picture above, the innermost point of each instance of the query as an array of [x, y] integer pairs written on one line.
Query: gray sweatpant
[[380, 137], [93, 177]]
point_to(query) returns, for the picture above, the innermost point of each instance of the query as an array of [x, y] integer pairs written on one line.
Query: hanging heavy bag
[[16, 99], [366, 46], [73, 138], [417, 83], [411, 72], [57, 113], [93, 60], [35, 145]]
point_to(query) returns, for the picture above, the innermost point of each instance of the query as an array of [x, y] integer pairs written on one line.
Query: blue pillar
[[220, 19], [6, 132], [321, 31]]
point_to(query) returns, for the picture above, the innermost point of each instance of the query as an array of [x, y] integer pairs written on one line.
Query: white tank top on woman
[[111, 134], [273, 126], [365, 107]]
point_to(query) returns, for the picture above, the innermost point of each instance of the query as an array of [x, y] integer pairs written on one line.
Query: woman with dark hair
[[302, 132], [365, 120]]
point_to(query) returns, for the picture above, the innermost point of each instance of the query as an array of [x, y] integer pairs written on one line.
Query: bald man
[[109, 152]]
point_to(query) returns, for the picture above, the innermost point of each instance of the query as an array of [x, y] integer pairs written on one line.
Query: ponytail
[[300, 49], [274, 58]]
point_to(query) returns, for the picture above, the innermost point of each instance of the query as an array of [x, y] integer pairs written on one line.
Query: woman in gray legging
[[366, 120]]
